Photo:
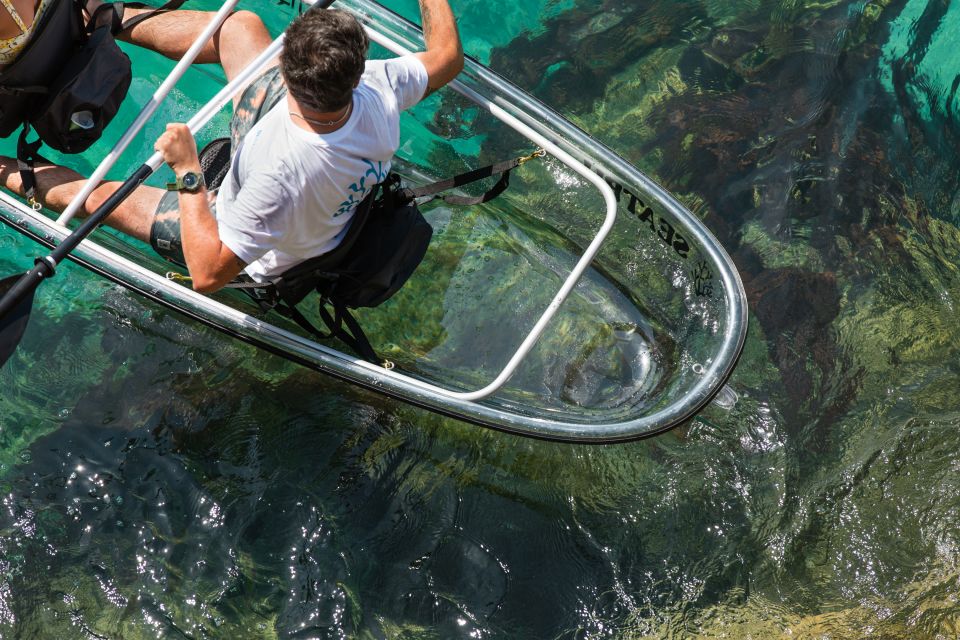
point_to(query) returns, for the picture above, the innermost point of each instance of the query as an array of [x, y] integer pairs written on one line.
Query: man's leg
[[57, 186], [240, 39]]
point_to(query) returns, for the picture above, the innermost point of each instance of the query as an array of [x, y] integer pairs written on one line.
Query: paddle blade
[[14, 322]]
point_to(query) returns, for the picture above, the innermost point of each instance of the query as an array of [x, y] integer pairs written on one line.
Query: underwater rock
[[795, 308], [595, 41]]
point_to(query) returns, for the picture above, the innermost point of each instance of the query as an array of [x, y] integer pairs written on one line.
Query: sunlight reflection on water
[[159, 480]]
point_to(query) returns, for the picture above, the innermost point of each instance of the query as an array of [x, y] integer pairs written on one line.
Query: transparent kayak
[[585, 304]]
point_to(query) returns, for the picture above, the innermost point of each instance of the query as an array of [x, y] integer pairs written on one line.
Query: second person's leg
[[240, 39], [57, 186]]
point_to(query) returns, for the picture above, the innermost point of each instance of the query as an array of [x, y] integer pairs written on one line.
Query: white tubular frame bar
[[203, 116], [578, 269], [147, 112]]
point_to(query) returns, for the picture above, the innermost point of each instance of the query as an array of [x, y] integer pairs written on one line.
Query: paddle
[[18, 290], [16, 322]]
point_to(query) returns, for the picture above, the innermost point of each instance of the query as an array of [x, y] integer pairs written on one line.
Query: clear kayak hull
[[586, 304]]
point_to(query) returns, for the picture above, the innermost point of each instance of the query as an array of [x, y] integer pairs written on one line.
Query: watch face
[[190, 180]]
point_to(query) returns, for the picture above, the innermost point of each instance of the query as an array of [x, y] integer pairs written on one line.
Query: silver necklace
[[324, 123]]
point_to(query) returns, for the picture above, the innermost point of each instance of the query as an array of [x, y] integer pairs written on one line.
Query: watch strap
[[179, 185]]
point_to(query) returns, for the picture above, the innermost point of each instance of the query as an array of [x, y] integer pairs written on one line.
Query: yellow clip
[[388, 365], [36, 205], [539, 153], [177, 277]]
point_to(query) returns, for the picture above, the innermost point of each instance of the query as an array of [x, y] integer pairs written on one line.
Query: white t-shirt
[[290, 193]]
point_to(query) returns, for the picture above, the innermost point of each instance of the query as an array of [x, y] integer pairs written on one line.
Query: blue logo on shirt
[[359, 189]]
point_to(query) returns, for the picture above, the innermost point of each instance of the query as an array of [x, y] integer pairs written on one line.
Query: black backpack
[[69, 81], [24, 83], [386, 241]]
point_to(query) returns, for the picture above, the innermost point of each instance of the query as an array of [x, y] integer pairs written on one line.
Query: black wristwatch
[[190, 182]]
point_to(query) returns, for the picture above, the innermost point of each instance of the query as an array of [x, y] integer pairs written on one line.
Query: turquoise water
[[161, 480]]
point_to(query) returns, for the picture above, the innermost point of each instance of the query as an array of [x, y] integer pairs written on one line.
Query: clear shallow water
[[162, 480]]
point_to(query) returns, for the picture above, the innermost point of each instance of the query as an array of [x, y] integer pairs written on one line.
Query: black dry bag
[[70, 79], [85, 96], [24, 83]]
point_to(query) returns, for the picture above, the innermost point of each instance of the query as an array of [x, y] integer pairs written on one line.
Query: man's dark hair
[[324, 53]]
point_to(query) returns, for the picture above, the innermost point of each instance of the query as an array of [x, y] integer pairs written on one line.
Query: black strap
[[171, 5], [27, 157], [492, 193], [466, 178], [268, 298], [355, 338], [294, 314], [94, 8], [263, 295], [118, 25]]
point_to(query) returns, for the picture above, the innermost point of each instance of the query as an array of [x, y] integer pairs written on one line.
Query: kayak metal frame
[[529, 118]]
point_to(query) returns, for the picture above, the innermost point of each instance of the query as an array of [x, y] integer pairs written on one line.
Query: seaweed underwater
[[188, 493], [818, 140]]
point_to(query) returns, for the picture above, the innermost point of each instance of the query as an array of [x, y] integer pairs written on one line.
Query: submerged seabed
[[160, 480]]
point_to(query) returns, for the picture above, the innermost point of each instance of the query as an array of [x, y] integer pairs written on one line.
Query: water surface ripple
[[159, 480]]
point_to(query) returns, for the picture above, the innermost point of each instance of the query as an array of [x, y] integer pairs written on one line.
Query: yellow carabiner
[[539, 153], [36, 205]]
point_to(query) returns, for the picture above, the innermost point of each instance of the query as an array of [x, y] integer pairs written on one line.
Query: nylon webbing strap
[[355, 338], [294, 314], [27, 155], [468, 201], [466, 178], [172, 5]]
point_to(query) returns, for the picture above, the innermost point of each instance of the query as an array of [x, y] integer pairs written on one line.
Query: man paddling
[[311, 136]]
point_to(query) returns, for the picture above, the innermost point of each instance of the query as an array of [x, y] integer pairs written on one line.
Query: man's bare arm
[[210, 262], [444, 55]]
